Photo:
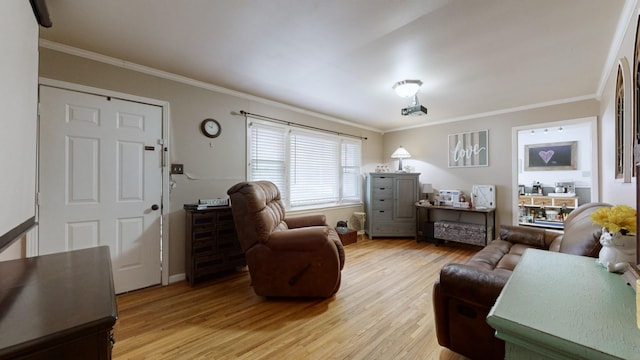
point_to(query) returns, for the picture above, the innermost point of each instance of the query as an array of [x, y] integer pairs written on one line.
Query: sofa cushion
[[509, 261], [489, 256], [499, 255], [529, 236]]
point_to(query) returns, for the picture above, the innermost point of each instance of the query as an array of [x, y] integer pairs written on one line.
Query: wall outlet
[[177, 168]]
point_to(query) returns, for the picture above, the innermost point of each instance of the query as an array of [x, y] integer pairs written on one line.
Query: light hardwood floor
[[383, 310]]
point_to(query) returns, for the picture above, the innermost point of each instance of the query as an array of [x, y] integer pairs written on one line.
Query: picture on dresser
[[469, 149], [551, 156]]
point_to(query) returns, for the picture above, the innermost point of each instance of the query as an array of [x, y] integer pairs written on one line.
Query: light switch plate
[[177, 168]]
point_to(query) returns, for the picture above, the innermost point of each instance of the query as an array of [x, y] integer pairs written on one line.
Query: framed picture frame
[[551, 156], [469, 149]]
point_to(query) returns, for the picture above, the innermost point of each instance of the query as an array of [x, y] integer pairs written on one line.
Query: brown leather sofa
[[287, 257], [465, 293]]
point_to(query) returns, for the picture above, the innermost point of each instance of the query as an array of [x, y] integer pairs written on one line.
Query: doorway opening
[[537, 169]]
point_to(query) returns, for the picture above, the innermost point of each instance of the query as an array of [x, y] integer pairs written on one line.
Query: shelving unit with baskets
[[545, 211]]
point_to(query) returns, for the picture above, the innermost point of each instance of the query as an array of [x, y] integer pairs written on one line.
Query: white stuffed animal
[[617, 251]]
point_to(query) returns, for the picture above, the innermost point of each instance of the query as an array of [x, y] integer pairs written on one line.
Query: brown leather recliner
[[287, 257], [465, 293]]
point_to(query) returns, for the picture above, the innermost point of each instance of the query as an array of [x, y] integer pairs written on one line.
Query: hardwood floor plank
[[383, 310]]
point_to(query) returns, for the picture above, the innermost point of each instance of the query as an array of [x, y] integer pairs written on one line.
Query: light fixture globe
[[407, 88]]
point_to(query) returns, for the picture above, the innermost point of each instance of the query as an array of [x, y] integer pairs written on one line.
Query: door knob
[[155, 207]]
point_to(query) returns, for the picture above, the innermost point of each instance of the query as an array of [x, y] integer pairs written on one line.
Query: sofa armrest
[[462, 299], [302, 239], [474, 285], [306, 220]]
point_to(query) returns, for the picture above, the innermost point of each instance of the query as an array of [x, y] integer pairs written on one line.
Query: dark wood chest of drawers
[[58, 306], [212, 246]]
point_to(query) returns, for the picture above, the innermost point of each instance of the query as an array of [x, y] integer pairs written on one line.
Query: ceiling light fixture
[[407, 88], [410, 88]]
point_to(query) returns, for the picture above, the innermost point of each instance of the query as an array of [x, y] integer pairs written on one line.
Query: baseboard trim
[[177, 278]]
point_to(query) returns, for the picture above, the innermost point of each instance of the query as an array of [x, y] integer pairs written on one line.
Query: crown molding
[[626, 17]]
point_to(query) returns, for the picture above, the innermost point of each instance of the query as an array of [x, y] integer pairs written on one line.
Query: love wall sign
[[469, 149], [553, 156]]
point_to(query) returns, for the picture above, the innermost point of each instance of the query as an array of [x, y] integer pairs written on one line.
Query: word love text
[[472, 150]]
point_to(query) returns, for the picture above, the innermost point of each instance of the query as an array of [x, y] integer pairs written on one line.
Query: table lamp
[[426, 190], [400, 154]]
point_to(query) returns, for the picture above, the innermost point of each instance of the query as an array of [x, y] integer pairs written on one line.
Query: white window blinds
[[267, 155], [311, 168], [314, 171], [351, 178]]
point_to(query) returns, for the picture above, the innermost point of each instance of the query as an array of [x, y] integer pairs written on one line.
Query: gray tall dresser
[[389, 203]]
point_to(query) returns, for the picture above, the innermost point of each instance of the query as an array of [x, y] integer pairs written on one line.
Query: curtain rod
[[289, 123]]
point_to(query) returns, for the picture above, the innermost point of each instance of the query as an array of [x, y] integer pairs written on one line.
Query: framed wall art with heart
[[552, 156]]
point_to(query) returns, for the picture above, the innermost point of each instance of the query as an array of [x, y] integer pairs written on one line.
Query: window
[[636, 89], [351, 156], [311, 168], [267, 155], [619, 128], [624, 127]]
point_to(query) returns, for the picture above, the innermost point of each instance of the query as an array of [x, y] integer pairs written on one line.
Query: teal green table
[[559, 306]]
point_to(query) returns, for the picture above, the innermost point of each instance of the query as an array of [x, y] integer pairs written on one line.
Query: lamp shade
[[407, 88], [427, 188], [400, 153]]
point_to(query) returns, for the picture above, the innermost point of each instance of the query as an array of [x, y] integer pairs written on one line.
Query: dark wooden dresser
[[58, 306], [211, 242]]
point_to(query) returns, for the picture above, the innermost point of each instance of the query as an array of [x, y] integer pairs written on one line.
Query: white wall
[[612, 190], [18, 101]]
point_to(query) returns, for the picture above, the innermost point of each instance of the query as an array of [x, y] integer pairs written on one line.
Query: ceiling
[[341, 58]]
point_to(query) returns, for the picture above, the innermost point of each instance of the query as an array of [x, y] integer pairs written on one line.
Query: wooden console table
[[425, 225], [58, 306], [560, 306]]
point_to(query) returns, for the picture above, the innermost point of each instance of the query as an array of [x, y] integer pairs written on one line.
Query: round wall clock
[[210, 128]]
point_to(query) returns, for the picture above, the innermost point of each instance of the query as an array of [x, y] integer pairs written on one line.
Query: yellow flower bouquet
[[620, 218]]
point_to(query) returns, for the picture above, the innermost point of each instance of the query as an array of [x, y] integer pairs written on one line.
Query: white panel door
[[100, 181]]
